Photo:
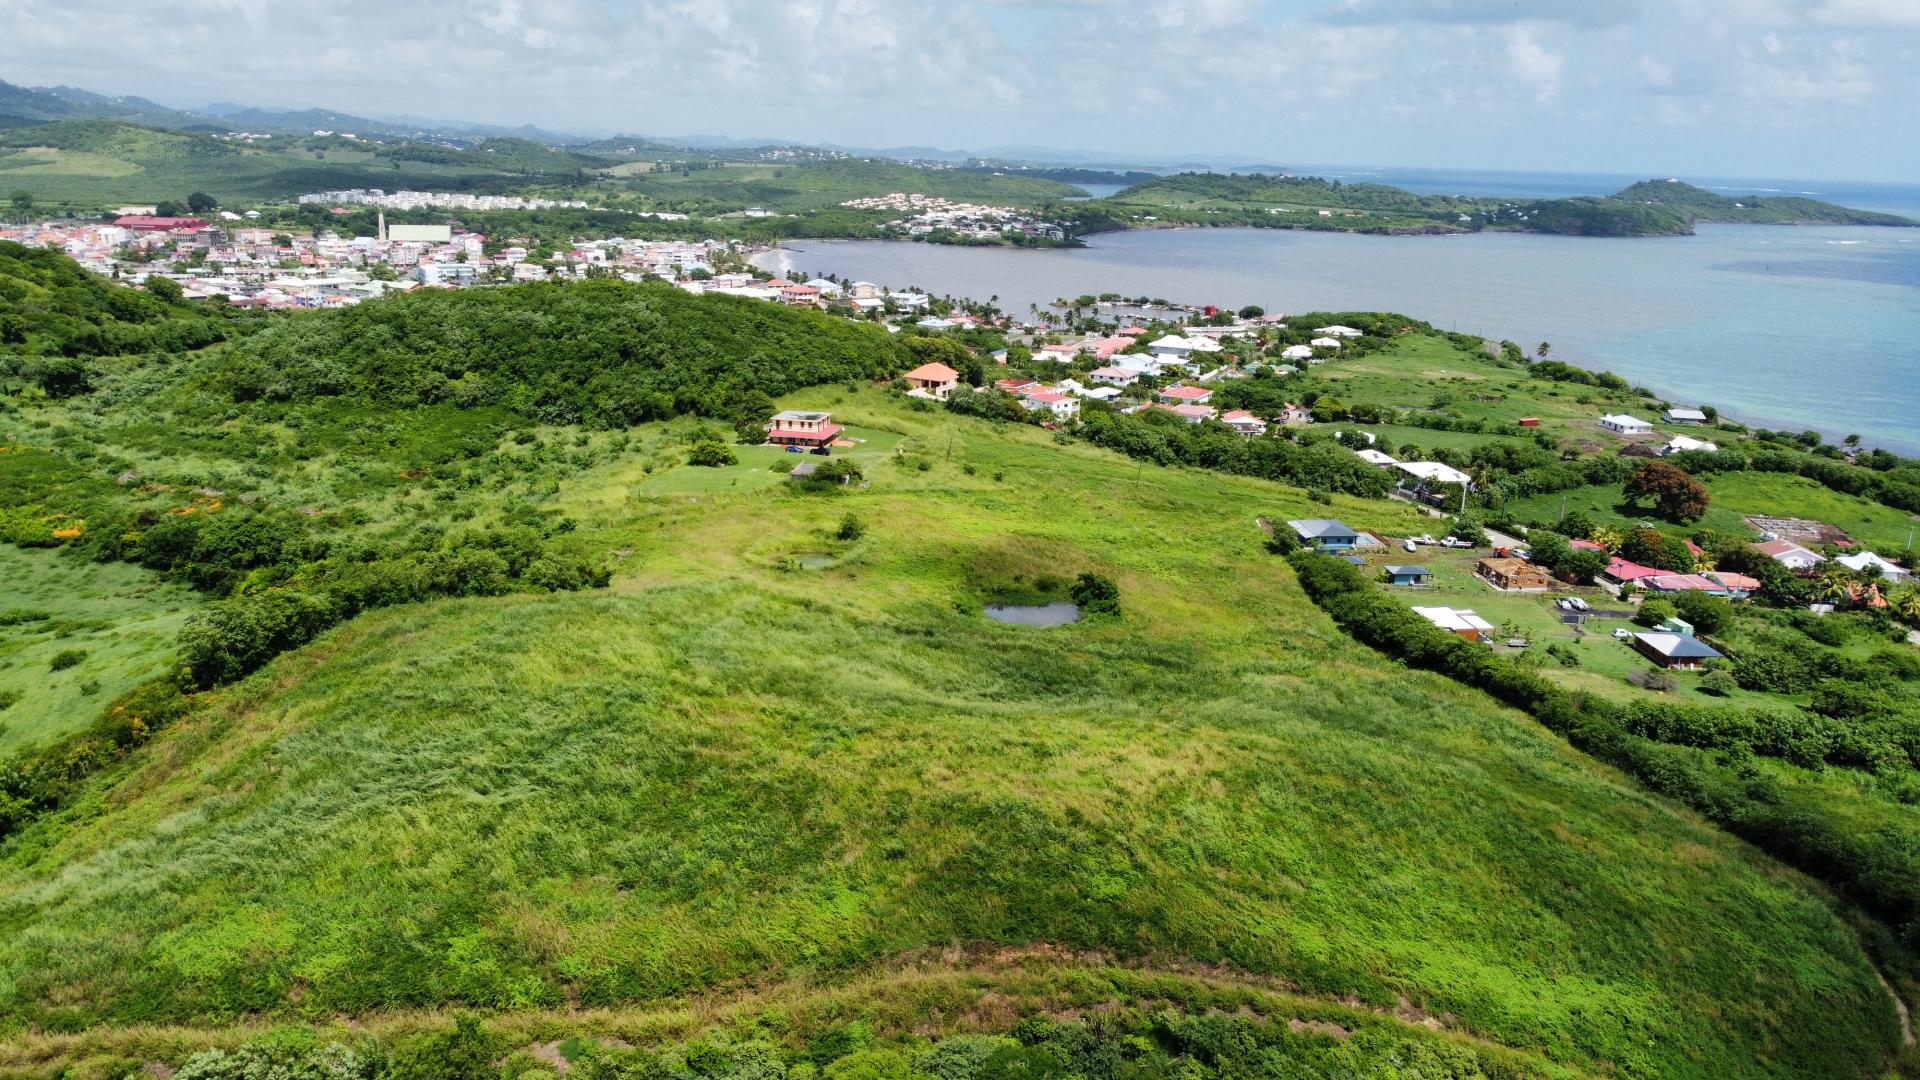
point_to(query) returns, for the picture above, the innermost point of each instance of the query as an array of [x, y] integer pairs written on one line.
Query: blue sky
[[1787, 88]]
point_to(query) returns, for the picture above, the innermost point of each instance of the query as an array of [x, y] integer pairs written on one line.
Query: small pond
[[1034, 614], [814, 561]]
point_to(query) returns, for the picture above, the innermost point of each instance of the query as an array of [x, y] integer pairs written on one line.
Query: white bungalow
[[1623, 424]]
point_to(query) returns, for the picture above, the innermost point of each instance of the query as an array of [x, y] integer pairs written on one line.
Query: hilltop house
[[1062, 406], [1514, 575], [1337, 331], [1675, 652], [1712, 582], [1114, 376], [1420, 473], [796, 427], [1326, 534], [1623, 424], [1175, 347], [1868, 560], [1798, 559], [1245, 423], [1297, 352], [1376, 458], [1684, 416], [1185, 395], [1408, 575], [934, 380], [1461, 621]]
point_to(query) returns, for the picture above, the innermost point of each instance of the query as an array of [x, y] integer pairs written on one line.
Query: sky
[[1803, 89]]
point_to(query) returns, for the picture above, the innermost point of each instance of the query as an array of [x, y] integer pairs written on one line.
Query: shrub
[[1718, 681], [1654, 679], [66, 658], [711, 453], [1096, 595], [1654, 612], [851, 528], [1708, 614], [230, 638]]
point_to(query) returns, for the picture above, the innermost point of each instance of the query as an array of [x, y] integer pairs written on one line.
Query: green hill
[[722, 769], [91, 164], [778, 801], [52, 308], [1707, 206], [1649, 208]]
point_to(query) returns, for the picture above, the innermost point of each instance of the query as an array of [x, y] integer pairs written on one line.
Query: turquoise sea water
[[1795, 327]]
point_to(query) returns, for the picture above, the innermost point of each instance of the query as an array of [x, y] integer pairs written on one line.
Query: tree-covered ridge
[[1707, 206], [599, 353], [51, 306], [117, 138], [1649, 208]]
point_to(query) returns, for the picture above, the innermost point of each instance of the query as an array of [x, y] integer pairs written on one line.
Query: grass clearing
[[122, 620]]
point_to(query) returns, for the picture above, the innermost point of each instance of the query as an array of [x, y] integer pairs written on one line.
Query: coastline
[[1575, 348]]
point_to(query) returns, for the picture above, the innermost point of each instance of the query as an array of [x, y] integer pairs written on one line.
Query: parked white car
[[1622, 633], [1573, 603], [1411, 546]]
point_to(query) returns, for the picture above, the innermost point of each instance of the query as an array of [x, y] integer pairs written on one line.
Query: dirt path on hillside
[[1900, 1006]]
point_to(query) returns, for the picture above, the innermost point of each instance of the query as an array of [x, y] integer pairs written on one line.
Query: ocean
[[1797, 327]]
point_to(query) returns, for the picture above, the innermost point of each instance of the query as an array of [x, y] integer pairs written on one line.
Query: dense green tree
[[1676, 495]]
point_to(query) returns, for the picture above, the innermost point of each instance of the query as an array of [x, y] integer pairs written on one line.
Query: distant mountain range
[[24, 105]]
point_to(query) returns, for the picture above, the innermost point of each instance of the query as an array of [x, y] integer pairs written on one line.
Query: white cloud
[[1280, 80], [1535, 65]]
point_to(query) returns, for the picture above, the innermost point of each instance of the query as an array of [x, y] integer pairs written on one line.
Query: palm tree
[[1837, 585], [1908, 605]]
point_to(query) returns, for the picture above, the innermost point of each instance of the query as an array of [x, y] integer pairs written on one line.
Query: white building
[[1868, 560], [1622, 424], [1680, 444], [1434, 472], [1684, 416]]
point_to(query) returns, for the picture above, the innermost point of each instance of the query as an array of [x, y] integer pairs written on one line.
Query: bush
[[1654, 612], [1096, 595], [1708, 614], [1719, 682], [66, 658], [711, 453], [230, 638], [1654, 679], [851, 528]]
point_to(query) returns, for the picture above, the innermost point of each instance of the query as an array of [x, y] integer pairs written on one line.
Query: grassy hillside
[[726, 768], [778, 799], [89, 164]]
